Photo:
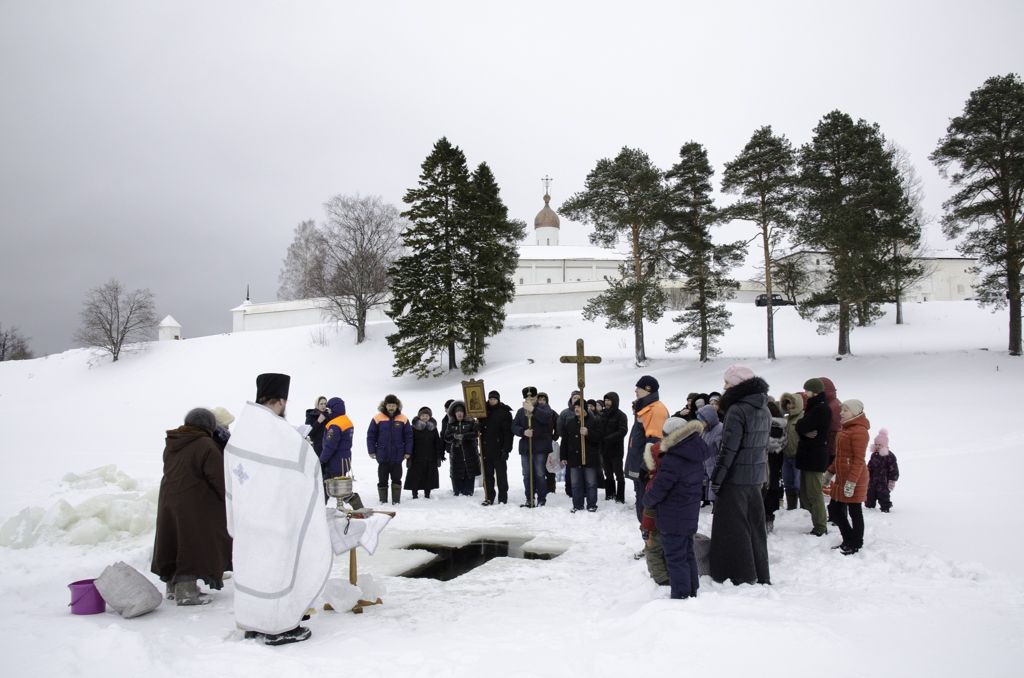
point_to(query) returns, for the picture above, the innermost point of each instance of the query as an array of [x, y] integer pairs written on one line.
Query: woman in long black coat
[[192, 540], [460, 439], [427, 455]]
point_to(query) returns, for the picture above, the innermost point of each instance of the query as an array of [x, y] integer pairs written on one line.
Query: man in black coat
[[534, 423], [614, 426], [496, 430], [565, 417], [812, 452]]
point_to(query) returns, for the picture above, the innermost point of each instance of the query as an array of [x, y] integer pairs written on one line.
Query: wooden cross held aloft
[[581, 381]]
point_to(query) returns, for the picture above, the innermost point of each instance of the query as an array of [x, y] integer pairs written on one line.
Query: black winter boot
[[382, 492], [396, 493], [791, 499]]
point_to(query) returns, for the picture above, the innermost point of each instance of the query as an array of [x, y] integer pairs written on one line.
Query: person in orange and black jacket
[[336, 450], [649, 417], [389, 442]]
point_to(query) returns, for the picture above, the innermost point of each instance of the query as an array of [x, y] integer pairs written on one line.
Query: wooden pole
[[529, 459], [583, 438]]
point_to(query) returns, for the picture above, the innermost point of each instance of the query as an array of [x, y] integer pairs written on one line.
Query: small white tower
[[168, 330], [546, 222]]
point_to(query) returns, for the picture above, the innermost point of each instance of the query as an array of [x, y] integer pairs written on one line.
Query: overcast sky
[[175, 145]]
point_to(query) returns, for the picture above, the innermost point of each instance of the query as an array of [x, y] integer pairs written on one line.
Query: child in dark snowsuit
[[674, 495], [884, 472]]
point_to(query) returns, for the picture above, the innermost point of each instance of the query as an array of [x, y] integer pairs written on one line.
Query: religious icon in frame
[[476, 398]]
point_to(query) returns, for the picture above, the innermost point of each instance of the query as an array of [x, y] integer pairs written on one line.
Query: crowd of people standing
[[740, 451]]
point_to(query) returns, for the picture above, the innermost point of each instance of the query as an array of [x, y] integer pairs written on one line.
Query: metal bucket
[[339, 486]]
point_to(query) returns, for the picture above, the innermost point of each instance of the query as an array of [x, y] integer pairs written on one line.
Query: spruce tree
[[984, 149], [429, 287], [693, 255], [764, 175], [624, 198], [491, 262]]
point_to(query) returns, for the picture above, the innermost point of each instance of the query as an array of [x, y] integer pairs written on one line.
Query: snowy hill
[[932, 591]]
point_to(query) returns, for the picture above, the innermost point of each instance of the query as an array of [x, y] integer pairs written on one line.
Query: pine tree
[[984, 147], [693, 255], [491, 264], [428, 283], [852, 200], [624, 197], [791, 276], [764, 174]]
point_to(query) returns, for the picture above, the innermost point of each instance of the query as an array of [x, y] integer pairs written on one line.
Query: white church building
[[553, 277], [550, 277]]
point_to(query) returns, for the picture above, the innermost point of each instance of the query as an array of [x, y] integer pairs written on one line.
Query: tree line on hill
[[447, 261], [849, 194]]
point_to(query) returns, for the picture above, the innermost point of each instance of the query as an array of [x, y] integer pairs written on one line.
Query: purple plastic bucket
[[85, 599]]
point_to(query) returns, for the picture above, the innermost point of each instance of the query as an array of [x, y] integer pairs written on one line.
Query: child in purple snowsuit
[[884, 472]]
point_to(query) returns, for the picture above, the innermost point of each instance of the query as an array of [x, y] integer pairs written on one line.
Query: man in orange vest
[[336, 453], [650, 415]]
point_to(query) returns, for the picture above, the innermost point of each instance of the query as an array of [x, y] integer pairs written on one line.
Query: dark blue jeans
[[540, 486], [790, 474], [683, 578], [583, 480]]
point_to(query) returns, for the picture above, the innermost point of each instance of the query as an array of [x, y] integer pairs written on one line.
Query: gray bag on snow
[[702, 551], [127, 590]]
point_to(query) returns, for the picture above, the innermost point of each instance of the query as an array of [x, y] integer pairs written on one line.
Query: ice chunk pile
[[100, 477], [108, 516]]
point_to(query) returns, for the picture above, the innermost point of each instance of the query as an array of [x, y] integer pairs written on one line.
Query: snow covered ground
[[934, 592]]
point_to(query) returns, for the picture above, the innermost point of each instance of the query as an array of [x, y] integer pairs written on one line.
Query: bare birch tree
[[295, 278], [355, 248], [113, 317], [13, 346]]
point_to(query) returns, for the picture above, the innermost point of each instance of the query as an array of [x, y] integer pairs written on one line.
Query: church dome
[[546, 218]]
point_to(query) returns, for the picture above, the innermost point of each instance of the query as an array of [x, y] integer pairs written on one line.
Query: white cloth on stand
[[363, 532], [282, 545]]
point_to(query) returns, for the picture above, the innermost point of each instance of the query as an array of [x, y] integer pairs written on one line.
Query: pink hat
[[882, 438], [737, 374]]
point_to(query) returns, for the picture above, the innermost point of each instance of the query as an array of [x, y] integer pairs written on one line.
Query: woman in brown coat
[[192, 540], [850, 474]]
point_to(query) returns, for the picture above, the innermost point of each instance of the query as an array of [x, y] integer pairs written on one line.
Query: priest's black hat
[[271, 385]]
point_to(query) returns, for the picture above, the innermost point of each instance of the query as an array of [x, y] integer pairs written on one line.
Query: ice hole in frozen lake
[[450, 562]]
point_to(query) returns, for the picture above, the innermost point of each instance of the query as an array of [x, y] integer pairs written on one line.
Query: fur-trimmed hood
[[756, 387], [797, 400], [383, 410], [671, 440], [457, 404]]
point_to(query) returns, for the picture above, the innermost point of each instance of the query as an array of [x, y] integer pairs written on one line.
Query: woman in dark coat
[[460, 438], [192, 540], [427, 455], [739, 540], [316, 419]]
